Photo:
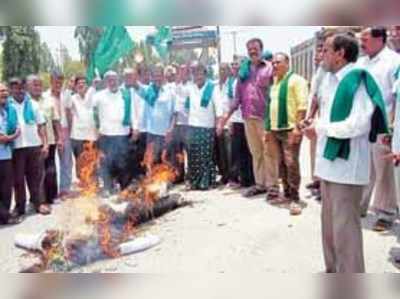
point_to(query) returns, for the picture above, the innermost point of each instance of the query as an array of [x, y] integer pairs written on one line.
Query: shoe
[[295, 209], [382, 225], [44, 209], [313, 185], [253, 191], [16, 220]]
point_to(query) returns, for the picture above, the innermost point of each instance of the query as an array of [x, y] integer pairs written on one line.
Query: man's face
[[35, 88], [184, 73], [199, 77], [281, 65], [369, 44], [145, 77], [235, 68], [71, 83], [81, 86], [56, 84], [330, 56], [224, 73], [254, 51], [319, 54], [170, 76], [3, 94], [112, 83], [131, 78], [158, 77], [17, 91]]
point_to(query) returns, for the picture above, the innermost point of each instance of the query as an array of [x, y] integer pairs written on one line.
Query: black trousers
[[242, 165], [114, 165], [50, 187], [136, 153], [28, 166], [6, 184], [176, 150], [223, 156]]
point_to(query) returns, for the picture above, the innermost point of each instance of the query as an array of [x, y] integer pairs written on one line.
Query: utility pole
[[219, 45], [234, 37]]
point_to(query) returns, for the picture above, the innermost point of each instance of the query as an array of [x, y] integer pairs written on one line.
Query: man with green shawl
[[352, 114], [285, 111]]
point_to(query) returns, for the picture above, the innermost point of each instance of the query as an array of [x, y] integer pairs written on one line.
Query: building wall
[[302, 55]]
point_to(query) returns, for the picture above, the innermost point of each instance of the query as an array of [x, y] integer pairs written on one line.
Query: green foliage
[[88, 38], [21, 52], [74, 67], [46, 58]]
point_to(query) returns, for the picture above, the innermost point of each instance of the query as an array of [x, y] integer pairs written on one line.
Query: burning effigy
[[92, 228]]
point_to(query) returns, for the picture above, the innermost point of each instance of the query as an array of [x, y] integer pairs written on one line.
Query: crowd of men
[[245, 128]]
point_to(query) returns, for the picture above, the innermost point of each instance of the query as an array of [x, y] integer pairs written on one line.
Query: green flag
[[114, 44], [161, 40]]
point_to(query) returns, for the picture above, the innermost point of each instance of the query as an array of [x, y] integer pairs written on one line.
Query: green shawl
[[205, 97], [282, 105], [343, 104]]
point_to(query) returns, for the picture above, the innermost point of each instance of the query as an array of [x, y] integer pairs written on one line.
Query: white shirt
[[182, 92], [61, 105], [83, 124], [237, 116], [111, 112], [383, 68], [29, 133], [396, 134], [315, 89], [203, 117], [139, 110], [159, 117], [355, 170], [223, 100], [51, 113]]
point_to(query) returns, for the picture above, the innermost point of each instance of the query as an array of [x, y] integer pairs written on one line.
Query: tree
[[88, 38], [74, 67], [21, 52], [46, 59], [65, 57]]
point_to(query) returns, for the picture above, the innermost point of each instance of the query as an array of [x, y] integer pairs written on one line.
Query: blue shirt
[[160, 116], [5, 149]]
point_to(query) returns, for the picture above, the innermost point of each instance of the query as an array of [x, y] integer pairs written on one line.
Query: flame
[[87, 165]]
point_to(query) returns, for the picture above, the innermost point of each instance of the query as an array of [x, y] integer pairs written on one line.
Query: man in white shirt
[[61, 100], [178, 145], [114, 121], [242, 166], [53, 130], [136, 146], [382, 63], [342, 159], [83, 127], [160, 114], [9, 131], [30, 150], [223, 142]]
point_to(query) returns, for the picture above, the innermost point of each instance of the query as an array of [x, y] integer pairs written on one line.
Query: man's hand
[[60, 145], [387, 139], [220, 126], [295, 137], [45, 151], [15, 135], [395, 157], [267, 136], [135, 135], [310, 132], [168, 136]]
